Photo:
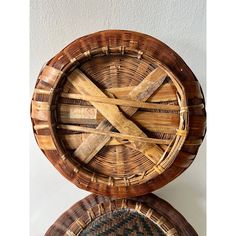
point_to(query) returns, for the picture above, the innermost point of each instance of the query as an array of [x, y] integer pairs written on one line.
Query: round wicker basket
[[101, 216], [118, 113]]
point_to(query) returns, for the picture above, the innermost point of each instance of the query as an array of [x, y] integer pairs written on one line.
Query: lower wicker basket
[[100, 215]]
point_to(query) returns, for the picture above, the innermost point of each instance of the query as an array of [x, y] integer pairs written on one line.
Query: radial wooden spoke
[[115, 117]]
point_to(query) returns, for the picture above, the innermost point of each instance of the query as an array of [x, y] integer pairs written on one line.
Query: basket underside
[[116, 119], [101, 216]]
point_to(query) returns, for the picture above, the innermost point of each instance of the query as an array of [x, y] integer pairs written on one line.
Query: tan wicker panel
[[118, 113]]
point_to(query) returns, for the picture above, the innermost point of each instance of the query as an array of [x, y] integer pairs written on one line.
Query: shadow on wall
[[188, 201]]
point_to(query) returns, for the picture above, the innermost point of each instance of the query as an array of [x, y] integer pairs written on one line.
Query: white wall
[[54, 24]]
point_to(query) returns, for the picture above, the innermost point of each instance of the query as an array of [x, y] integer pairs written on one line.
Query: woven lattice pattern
[[116, 109], [98, 215], [122, 223]]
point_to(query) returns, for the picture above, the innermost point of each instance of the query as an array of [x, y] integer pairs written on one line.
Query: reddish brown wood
[[131, 51], [81, 215]]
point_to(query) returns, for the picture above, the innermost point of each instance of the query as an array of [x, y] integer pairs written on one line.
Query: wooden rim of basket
[[80, 215], [87, 179]]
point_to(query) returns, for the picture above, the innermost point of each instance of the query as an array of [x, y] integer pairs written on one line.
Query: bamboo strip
[[89, 148], [151, 121], [73, 140], [121, 102], [167, 92], [42, 91], [40, 110], [114, 134], [78, 114], [50, 74], [41, 126], [45, 142], [167, 160], [40, 106]]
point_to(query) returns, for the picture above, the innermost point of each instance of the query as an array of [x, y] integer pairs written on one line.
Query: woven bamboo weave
[[118, 113], [141, 216]]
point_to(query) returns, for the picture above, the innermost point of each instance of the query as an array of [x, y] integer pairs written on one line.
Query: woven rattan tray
[[101, 216], [118, 113]]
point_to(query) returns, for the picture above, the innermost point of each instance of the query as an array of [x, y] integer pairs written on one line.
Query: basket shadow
[[189, 200]]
